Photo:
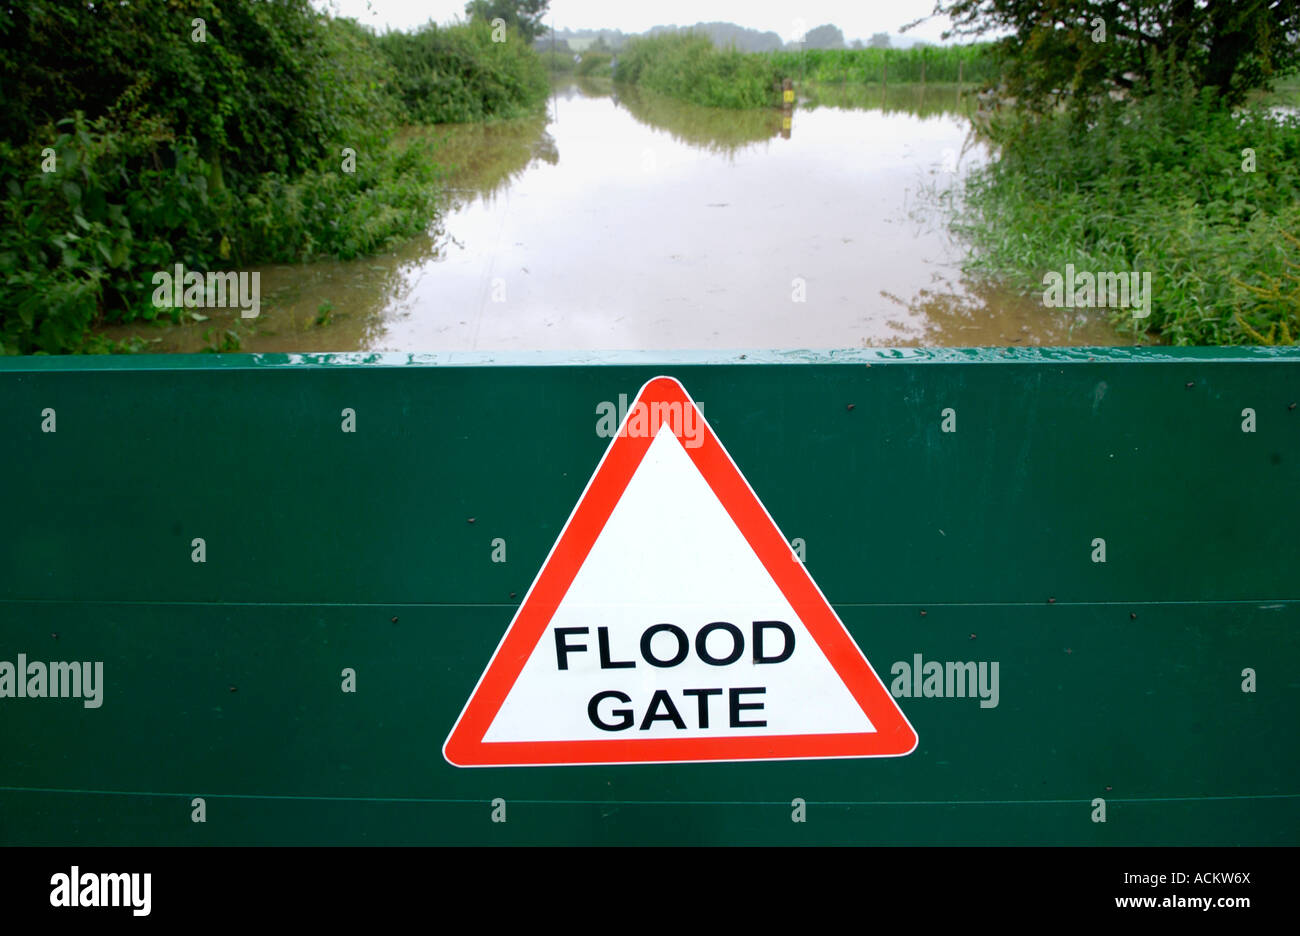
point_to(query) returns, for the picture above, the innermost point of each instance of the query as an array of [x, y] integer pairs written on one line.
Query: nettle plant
[[76, 242]]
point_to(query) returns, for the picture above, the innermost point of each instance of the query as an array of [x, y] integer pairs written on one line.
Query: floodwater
[[624, 220]]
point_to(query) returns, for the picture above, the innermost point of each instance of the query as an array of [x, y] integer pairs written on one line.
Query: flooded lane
[[622, 220]]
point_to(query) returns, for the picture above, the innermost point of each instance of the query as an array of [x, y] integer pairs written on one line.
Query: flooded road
[[621, 220]]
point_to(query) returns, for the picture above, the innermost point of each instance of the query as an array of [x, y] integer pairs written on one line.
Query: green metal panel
[[1119, 680]]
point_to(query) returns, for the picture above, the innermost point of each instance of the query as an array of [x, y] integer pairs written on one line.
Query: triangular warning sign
[[673, 622]]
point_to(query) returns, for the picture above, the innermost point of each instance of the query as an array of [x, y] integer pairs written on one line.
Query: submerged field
[[626, 219], [376, 179], [1199, 199]]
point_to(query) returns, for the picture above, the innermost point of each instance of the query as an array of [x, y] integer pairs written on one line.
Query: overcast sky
[[858, 18]]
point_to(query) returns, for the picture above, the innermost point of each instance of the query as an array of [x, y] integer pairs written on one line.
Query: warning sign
[[673, 622]]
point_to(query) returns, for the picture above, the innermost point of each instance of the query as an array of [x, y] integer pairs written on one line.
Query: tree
[[824, 37], [524, 15], [1079, 50], [879, 41], [725, 35]]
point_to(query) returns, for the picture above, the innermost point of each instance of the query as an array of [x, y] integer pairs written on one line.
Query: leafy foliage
[[266, 91], [1081, 50], [458, 74], [689, 67], [527, 17], [559, 60], [1158, 184], [594, 63], [214, 154]]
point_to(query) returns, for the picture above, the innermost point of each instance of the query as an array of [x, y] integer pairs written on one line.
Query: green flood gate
[[282, 577]]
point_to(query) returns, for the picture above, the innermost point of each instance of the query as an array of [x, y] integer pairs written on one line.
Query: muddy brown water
[[622, 220]]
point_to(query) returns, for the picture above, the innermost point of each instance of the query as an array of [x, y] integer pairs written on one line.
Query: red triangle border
[[465, 747]]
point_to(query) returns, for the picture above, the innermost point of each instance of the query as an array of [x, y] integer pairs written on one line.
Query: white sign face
[[673, 622], [673, 600]]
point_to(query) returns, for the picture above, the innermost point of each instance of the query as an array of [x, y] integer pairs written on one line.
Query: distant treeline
[[724, 35]]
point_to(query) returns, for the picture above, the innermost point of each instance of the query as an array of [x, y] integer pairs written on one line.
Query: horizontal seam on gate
[[1145, 602], [480, 800]]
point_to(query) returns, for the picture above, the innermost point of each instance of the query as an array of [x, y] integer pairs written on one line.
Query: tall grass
[[688, 66], [1157, 185], [973, 64]]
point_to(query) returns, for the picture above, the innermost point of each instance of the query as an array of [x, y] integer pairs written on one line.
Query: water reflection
[[921, 101], [971, 313], [623, 220], [330, 305], [485, 159], [713, 129]]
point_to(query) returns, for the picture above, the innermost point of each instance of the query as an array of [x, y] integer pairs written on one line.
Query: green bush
[[81, 245], [457, 74], [594, 63], [688, 66], [393, 195], [271, 88], [557, 61], [1154, 184], [217, 154]]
